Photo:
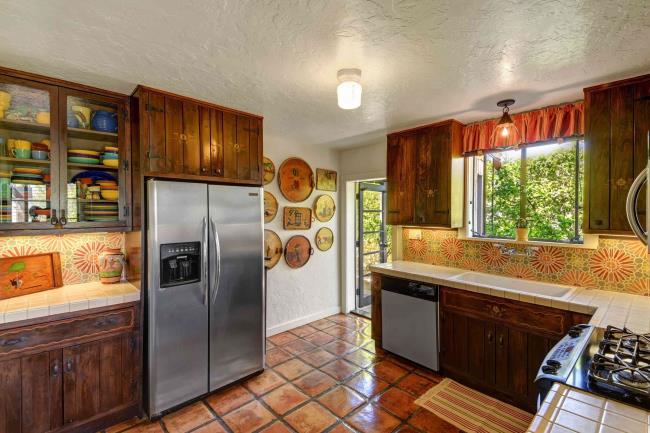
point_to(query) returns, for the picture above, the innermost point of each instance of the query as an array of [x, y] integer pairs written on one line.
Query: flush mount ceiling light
[[506, 132], [349, 89]]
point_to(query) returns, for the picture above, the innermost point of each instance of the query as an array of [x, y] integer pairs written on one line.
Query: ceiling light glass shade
[[349, 89], [506, 133]]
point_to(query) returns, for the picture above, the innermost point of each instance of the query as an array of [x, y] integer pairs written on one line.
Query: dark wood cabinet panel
[[184, 138], [190, 139], [400, 178], [425, 167], [495, 352], [50, 386], [616, 127]]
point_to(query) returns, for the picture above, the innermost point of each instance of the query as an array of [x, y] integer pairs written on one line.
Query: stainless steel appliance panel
[[177, 315], [410, 327], [236, 283]]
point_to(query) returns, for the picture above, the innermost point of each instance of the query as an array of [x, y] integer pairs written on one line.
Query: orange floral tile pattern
[[79, 252], [620, 265]]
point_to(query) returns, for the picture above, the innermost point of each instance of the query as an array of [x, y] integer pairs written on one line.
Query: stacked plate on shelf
[[101, 211], [5, 212], [82, 156], [110, 156], [27, 176]]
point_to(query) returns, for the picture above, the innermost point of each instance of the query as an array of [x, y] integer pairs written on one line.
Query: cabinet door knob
[[621, 182], [56, 369], [53, 219], [203, 169], [183, 137], [237, 147], [501, 340], [490, 337], [68, 365]]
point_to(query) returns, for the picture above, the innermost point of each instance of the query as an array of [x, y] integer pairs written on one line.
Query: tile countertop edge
[[66, 299], [607, 308]]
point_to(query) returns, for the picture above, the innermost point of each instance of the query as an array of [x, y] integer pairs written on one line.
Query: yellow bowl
[[108, 194], [111, 162], [92, 153]]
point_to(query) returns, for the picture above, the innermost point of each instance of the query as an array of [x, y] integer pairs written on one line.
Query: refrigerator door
[[177, 339], [236, 283]]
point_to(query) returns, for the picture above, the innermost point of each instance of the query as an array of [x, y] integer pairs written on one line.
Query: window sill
[[590, 241]]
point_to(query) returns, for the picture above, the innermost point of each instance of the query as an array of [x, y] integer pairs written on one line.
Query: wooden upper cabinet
[[617, 121], [188, 139], [400, 158], [425, 174]]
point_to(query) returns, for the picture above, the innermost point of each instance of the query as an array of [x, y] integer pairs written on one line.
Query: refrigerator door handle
[[204, 262], [217, 250], [631, 206]]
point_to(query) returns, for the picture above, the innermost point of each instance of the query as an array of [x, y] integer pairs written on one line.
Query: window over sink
[[539, 185]]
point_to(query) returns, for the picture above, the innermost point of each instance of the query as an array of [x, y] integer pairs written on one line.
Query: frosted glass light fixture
[[349, 89]]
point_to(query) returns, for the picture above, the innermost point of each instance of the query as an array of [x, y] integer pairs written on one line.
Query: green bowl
[[82, 160]]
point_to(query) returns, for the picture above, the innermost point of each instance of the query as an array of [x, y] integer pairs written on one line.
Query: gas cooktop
[[611, 362]]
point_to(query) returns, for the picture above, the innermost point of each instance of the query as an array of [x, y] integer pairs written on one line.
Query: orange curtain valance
[[545, 124]]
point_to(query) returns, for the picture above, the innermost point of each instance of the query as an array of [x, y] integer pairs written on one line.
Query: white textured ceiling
[[421, 60]]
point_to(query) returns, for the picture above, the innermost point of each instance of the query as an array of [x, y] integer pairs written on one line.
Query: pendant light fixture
[[506, 132], [349, 89]]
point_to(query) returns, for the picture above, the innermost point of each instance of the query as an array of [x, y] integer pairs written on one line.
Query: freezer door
[[236, 283], [177, 331]]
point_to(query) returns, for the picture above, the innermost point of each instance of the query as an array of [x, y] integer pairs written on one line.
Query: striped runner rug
[[471, 411]]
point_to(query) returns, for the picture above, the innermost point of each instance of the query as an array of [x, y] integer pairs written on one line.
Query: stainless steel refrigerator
[[205, 295]]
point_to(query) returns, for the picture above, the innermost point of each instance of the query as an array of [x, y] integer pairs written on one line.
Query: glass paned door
[[373, 236], [93, 162], [28, 152]]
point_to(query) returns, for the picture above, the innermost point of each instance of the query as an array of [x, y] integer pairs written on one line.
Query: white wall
[[298, 296], [355, 164]]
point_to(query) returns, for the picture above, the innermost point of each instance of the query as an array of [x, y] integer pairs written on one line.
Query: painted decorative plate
[[297, 251], [270, 207], [296, 180], [324, 239], [269, 170], [324, 207], [272, 248]]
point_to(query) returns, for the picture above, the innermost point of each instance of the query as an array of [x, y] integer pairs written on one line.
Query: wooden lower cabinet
[[497, 345], [82, 387]]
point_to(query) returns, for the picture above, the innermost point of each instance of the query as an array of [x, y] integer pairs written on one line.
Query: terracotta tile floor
[[327, 376]]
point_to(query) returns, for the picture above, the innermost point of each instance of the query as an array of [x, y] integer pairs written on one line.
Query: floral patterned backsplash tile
[[79, 252], [617, 264]]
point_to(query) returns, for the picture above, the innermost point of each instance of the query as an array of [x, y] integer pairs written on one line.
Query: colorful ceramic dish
[[82, 160]]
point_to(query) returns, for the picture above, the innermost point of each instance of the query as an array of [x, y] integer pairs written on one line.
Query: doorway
[[373, 238]]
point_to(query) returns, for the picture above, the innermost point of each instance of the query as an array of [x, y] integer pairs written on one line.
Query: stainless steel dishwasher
[[410, 320]]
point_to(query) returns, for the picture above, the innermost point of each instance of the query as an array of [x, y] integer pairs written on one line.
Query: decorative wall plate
[[269, 170], [296, 218], [296, 180], [272, 248], [325, 179], [297, 251], [270, 207], [324, 207], [324, 239]]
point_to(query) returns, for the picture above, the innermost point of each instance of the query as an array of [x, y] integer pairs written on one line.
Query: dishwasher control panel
[[414, 289]]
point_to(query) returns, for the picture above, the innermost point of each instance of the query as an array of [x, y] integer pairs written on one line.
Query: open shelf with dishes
[[63, 157]]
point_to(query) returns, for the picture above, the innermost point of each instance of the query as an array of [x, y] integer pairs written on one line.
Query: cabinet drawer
[[65, 332], [533, 318]]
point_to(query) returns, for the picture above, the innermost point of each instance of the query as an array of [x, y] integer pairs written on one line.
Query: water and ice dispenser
[[180, 263]]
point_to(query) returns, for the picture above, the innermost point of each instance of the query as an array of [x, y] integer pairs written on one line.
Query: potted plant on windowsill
[[522, 230]]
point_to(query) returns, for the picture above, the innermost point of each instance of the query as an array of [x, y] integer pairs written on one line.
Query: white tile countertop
[[66, 299], [570, 410], [607, 308]]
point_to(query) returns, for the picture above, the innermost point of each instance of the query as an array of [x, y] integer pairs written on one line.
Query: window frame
[[579, 239]]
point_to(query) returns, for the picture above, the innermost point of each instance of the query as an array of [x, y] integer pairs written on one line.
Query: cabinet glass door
[[92, 160], [28, 154]]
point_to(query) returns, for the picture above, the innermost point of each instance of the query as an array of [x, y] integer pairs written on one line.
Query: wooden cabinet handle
[[490, 336], [500, 340], [237, 147]]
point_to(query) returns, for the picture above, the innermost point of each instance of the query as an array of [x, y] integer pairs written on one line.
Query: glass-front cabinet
[[63, 158], [93, 160]]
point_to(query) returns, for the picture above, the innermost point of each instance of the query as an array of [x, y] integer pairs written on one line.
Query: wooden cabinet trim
[[140, 88], [66, 332], [537, 318]]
